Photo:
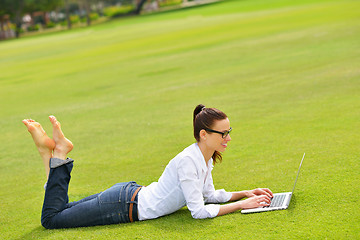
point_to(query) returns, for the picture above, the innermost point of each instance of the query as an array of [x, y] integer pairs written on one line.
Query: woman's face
[[215, 141]]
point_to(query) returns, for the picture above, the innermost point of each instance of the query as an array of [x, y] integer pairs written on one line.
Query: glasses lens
[[225, 134]]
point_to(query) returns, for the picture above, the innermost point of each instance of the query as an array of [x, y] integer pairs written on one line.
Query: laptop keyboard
[[277, 200]]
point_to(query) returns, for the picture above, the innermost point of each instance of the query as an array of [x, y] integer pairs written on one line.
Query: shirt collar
[[202, 161]]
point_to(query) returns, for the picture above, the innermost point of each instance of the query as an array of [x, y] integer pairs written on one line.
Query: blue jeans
[[108, 207]]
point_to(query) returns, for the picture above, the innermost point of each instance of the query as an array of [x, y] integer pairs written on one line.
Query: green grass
[[286, 72]]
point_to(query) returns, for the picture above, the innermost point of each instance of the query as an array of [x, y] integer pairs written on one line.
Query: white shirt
[[186, 180]]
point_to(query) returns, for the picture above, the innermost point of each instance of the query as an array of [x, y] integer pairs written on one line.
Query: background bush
[[74, 19], [169, 3], [115, 11], [50, 24], [33, 28]]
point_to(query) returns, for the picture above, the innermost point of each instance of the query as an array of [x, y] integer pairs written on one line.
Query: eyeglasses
[[224, 134]]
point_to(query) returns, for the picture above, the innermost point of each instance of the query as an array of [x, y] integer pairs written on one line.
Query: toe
[[25, 121], [52, 119]]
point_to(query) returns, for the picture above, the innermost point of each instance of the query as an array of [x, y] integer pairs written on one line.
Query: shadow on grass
[[42, 233], [37, 233], [292, 204], [172, 223], [181, 219]]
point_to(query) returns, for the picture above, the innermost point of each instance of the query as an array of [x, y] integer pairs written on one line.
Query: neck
[[206, 152]]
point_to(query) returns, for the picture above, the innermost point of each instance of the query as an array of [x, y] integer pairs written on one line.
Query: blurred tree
[[49, 5], [44, 6], [86, 5], [139, 6], [4, 12], [31, 6], [16, 8], [4, 7], [67, 12]]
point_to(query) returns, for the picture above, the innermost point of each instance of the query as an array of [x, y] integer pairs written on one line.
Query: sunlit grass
[[286, 73]]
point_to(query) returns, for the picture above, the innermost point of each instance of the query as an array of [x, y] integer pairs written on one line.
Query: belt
[[132, 204]]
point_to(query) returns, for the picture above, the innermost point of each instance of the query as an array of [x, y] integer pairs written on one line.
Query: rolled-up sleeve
[[192, 185]]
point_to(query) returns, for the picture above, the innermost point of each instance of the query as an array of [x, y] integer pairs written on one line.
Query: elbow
[[199, 215], [208, 211]]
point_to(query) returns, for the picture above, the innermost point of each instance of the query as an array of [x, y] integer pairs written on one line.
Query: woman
[[186, 180]]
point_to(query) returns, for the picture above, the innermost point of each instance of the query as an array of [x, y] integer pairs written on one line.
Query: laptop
[[280, 201]]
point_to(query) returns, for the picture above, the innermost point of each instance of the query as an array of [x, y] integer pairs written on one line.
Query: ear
[[203, 134]]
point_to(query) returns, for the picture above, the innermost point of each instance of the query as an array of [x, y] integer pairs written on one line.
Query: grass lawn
[[286, 72]]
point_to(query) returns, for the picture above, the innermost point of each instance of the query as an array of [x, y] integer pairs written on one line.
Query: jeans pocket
[[111, 206]]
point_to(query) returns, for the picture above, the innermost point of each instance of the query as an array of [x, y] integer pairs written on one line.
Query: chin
[[222, 149]]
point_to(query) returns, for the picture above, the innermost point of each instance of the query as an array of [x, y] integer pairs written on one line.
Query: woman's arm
[[239, 195]]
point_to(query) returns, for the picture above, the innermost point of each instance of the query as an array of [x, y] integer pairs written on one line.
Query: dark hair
[[205, 118]]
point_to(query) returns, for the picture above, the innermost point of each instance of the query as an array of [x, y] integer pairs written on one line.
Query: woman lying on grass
[[186, 181]]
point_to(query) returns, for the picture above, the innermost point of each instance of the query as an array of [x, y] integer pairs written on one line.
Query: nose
[[228, 138]]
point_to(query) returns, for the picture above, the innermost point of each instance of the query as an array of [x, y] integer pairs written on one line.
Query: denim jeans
[[108, 207]]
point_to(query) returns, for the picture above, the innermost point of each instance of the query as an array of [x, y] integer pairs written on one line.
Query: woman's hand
[[255, 202], [260, 191], [259, 197]]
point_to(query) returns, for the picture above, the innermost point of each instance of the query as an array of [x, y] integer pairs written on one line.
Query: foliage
[[11, 6], [83, 19], [74, 18], [16, 9], [285, 72], [50, 24], [63, 23], [94, 16], [33, 28], [115, 11], [165, 3]]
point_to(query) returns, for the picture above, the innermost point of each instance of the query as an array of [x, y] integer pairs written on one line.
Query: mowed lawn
[[286, 72]]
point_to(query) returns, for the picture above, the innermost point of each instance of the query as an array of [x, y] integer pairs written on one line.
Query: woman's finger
[[265, 198], [268, 191], [264, 204]]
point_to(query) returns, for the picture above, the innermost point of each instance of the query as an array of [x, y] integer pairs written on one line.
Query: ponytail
[[197, 110]]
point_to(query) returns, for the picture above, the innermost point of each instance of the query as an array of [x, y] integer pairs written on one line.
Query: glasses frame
[[223, 134]]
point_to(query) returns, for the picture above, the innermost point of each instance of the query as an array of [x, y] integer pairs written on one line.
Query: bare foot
[[44, 144], [42, 141], [62, 145]]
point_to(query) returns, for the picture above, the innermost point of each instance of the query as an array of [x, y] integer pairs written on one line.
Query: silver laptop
[[280, 201]]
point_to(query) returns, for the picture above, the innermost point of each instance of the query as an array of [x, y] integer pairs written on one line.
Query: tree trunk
[[139, 7], [2, 23], [99, 8], [56, 15], [87, 8], [18, 22], [46, 18], [2, 29], [67, 14], [17, 9]]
